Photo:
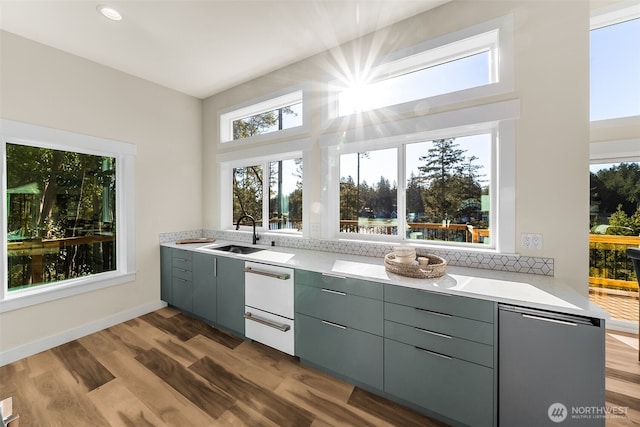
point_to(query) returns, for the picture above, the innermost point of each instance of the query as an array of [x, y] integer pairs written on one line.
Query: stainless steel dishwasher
[[551, 368]]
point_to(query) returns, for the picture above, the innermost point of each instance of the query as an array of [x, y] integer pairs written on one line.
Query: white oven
[[269, 305]]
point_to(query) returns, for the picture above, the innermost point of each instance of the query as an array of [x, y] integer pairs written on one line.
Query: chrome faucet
[[253, 221]]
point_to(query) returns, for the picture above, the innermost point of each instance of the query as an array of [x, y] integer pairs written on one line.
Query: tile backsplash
[[461, 258]]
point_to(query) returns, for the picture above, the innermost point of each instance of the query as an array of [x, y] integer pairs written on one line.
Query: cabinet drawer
[[448, 345], [182, 273], [359, 287], [442, 303], [348, 352], [182, 259], [343, 308], [439, 322], [454, 388]]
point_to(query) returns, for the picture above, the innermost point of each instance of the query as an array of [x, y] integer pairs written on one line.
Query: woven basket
[[435, 268]]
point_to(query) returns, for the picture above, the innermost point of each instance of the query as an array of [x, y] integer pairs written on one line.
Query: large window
[[282, 181], [444, 192], [615, 68], [68, 212], [61, 215]]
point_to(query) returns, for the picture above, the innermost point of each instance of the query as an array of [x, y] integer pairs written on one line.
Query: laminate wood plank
[[66, 403], [218, 335], [97, 344], [86, 370], [622, 375], [171, 325], [167, 311], [211, 400], [121, 407], [244, 366], [270, 405], [125, 340], [390, 411], [326, 408], [241, 415], [165, 402]]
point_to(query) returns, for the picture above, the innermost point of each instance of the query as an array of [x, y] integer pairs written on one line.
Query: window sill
[[47, 293]]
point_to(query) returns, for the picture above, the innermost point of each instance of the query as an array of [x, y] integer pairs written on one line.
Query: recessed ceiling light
[[109, 12]]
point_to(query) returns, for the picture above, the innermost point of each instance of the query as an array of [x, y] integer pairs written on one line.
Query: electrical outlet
[[536, 241], [531, 241]]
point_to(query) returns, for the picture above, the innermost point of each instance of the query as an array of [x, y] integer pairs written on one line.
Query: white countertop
[[530, 290]]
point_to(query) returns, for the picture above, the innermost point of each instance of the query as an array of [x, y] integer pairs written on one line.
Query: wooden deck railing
[[609, 266]]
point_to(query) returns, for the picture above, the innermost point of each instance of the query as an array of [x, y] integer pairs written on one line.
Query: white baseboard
[[622, 326], [80, 331]]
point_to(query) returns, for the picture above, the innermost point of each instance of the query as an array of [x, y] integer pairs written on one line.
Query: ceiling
[[202, 47]]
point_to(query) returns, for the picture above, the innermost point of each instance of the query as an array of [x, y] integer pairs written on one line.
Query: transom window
[[615, 65], [464, 64], [272, 115]]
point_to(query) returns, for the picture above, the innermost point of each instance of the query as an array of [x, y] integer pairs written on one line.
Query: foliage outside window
[[269, 121], [446, 194], [271, 115], [61, 215], [284, 186]]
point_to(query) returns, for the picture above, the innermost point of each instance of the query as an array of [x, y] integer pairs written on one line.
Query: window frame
[[43, 137], [262, 155], [274, 101], [495, 35], [497, 119]]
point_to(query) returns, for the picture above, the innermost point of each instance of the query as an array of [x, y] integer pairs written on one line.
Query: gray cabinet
[[339, 326], [182, 280], [230, 294], [439, 353], [459, 390], [205, 285]]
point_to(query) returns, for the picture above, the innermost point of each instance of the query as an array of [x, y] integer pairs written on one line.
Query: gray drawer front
[[442, 323], [346, 309], [182, 259], [441, 303], [360, 287], [471, 351], [182, 273], [348, 352], [457, 389]]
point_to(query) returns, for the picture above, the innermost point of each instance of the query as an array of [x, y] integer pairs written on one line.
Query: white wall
[[47, 87], [551, 43]]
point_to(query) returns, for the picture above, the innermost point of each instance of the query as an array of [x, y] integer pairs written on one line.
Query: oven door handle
[[281, 276], [274, 325]]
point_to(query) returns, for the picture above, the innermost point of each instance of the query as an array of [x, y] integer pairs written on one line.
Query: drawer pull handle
[[546, 319], [274, 325], [180, 279], [434, 292], [435, 313], [281, 276], [329, 291], [335, 276], [433, 353], [182, 259], [335, 325], [434, 333]]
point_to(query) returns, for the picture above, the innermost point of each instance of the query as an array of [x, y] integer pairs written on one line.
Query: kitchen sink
[[236, 249]]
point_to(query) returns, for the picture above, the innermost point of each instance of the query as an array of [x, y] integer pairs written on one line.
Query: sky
[[614, 92]]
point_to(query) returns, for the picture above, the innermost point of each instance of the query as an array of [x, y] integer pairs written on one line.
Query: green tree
[[623, 224], [450, 181]]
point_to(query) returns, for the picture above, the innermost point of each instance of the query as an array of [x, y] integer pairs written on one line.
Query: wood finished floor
[[167, 369]]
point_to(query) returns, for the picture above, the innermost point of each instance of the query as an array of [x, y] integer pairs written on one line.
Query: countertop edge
[[521, 289]]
